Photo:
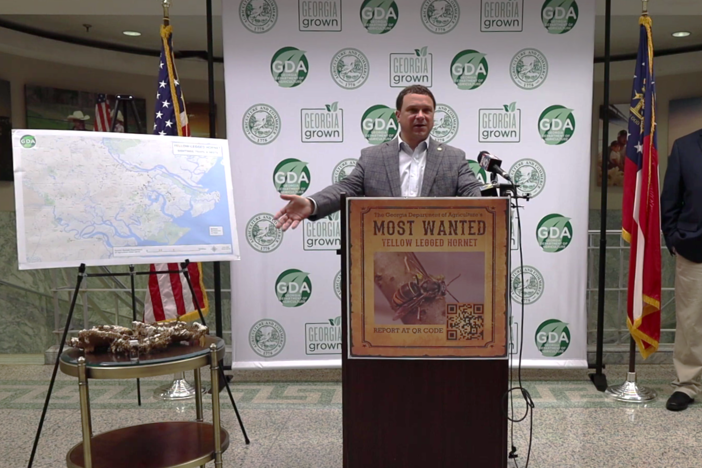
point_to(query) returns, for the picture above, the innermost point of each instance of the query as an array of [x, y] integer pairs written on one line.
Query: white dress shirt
[[412, 164]]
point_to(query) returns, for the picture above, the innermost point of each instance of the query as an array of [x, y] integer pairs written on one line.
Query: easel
[[122, 101]]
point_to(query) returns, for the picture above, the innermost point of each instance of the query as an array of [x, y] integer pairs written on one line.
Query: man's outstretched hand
[[292, 214]]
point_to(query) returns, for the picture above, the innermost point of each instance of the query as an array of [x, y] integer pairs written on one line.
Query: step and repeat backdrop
[[311, 83]]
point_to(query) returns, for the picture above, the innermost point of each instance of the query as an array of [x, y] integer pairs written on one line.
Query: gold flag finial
[[166, 13]]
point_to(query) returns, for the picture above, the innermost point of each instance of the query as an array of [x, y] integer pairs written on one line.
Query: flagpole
[[166, 12], [599, 379], [629, 391]]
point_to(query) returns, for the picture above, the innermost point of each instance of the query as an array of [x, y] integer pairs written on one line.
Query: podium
[[425, 331]]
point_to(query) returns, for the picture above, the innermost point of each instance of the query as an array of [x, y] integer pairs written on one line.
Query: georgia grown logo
[[289, 67], [379, 16], [291, 177], [559, 16], [554, 233], [322, 125], [323, 338], [411, 68], [552, 338], [556, 125], [469, 69], [379, 124], [293, 288], [500, 125]]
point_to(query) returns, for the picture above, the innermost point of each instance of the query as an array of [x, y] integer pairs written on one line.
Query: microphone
[[492, 164]]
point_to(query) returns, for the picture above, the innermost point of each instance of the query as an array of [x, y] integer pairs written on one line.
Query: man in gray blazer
[[412, 165]]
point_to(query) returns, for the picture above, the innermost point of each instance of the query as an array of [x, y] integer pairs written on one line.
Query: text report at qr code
[[464, 322]]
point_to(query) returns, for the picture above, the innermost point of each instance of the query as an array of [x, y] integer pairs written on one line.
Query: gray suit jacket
[[377, 174]]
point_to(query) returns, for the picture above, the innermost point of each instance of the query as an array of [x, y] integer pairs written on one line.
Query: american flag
[[641, 220], [102, 114], [168, 296]]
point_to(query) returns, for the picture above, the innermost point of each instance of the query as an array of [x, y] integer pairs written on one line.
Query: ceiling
[[109, 19]]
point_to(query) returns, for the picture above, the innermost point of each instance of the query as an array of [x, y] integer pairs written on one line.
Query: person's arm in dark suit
[[468, 183], [327, 200], [672, 197]]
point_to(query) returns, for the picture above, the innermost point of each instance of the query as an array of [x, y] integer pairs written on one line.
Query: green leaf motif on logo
[[289, 67], [556, 125], [512, 107], [554, 233], [553, 338], [379, 124], [469, 69], [293, 288], [379, 16], [292, 177], [559, 16], [478, 171]]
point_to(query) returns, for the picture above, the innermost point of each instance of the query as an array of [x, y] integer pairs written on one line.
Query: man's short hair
[[414, 89], [623, 132]]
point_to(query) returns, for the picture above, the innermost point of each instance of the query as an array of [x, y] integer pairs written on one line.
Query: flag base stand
[[179, 389], [630, 391]]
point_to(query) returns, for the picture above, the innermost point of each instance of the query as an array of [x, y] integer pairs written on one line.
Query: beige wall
[[20, 71], [668, 88]]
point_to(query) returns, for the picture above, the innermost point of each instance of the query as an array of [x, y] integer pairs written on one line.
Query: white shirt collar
[[407, 148]]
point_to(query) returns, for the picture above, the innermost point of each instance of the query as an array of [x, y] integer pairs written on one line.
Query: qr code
[[464, 322]]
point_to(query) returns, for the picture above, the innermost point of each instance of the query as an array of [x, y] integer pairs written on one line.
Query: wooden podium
[[424, 325]]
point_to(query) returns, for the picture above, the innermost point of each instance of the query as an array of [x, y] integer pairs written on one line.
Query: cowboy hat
[[78, 115]]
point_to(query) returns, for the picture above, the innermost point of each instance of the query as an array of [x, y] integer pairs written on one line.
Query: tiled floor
[[298, 424]]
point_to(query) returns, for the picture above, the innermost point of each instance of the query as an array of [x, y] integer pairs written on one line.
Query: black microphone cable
[[528, 401]]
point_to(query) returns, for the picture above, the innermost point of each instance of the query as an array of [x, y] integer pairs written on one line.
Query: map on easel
[[119, 199]]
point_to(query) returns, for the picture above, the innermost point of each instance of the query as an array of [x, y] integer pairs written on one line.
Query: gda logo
[[289, 67], [530, 177], [529, 69], [445, 124], [293, 288], [267, 338], [478, 171], [28, 141], [554, 233], [559, 16], [469, 69], [258, 16], [291, 177], [261, 233], [261, 124], [552, 338], [556, 125], [533, 285], [350, 68], [379, 16], [440, 16], [343, 169], [379, 124]]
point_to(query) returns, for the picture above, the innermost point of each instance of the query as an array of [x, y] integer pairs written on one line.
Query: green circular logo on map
[[291, 177], [261, 124], [478, 171], [293, 288], [267, 338], [289, 67], [440, 16], [258, 16], [350, 68], [445, 124], [379, 16], [469, 69], [559, 16], [556, 125], [261, 233], [28, 141], [554, 233], [530, 177], [552, 338], [379, 124], [343, 169], [529, 68], [337, 285], [533, 285]]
